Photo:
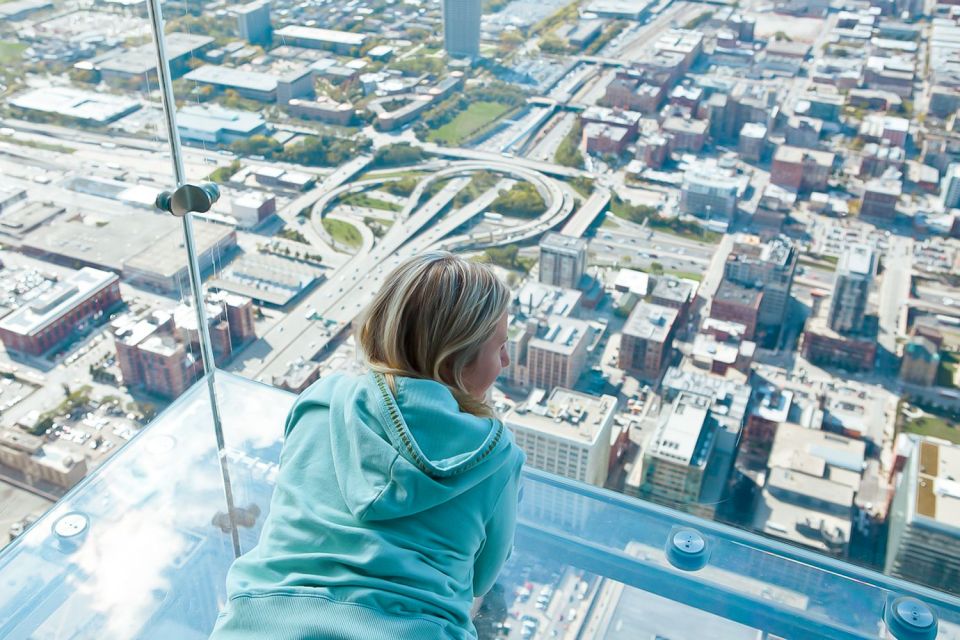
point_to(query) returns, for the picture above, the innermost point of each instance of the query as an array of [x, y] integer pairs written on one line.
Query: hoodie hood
[[395, 456]]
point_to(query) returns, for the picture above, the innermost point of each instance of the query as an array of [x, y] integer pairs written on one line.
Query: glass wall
[[729, 231]]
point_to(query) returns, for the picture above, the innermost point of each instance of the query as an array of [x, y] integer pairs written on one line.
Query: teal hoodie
[[390, 514]]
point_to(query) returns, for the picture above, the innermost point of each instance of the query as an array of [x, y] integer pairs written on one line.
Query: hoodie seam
[[394, 414], [383, 489]]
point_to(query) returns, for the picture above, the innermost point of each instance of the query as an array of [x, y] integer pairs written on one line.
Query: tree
[[521, 200], [402, 153]]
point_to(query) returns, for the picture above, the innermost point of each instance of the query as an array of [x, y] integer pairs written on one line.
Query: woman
[[397, 494]]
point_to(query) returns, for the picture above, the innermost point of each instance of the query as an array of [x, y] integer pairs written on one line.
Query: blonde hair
[[429, 320]]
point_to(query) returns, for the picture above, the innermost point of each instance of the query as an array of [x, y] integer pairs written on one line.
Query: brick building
[[736, 303], [51, 318], [801, 169], [647, 339]]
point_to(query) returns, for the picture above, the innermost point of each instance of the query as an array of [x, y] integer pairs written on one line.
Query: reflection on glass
[[141, 550], [730, 232]]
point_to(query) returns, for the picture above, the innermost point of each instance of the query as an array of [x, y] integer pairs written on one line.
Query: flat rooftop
[[539, 299], [99, 108], [560, 243], [214, 119], [937, 490], [58, 301], [650, 321], [677, 438], [738, 294], [321, 35], [796, 155], [562, 335], [142, 60], [230, 77], [857, 259], [565, 414]]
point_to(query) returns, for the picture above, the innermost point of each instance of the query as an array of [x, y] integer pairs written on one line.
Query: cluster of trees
[[222, 174], [394, 155], [480, 182], [638, 213], [321, 150], [522, 200], [568, 152], [508, 257], [419, 65], [402, 187], [293, 235]]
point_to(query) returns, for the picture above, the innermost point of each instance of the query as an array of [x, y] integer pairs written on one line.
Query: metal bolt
[[908, 618], [687, 549]]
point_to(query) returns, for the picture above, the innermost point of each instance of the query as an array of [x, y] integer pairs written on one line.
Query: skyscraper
[[925, 517], [769, 267], [854, 277], [461, 27], [562, 260], [253, 22]]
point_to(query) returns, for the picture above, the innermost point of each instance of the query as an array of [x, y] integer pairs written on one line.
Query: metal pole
[[193, 266]]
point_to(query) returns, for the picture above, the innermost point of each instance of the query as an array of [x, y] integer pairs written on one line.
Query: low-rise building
[[38, 460], [557, 352], [52, 317], [880, 198], [709, 192], [342, 42], [678, 457], [801, 169], [920, 362], [605, 138], [565, 432], [811, 482], [645, 346], [688, 135]]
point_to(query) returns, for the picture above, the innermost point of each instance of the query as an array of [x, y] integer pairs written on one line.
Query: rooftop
[[230, 77], [99, 108], [681, 437], [738, 294], [142, 60], [321, 35], [561, 335], [58, 301], [562, 244], [857, 259], [933, 478], [650, 321], [795, 155], [542, 300], [565, 414]]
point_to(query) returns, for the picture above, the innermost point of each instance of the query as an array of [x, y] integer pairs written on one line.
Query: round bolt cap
[[71, 525], [908, 618]]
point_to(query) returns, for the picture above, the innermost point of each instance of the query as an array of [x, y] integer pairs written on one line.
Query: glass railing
[[141, 549]]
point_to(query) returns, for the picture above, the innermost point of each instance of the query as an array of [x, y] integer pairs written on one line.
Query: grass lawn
[[474, 118], [933, 426], [343, 232], [381, 173], [10, 51], [364, 200], [689, 275], [35, 144]]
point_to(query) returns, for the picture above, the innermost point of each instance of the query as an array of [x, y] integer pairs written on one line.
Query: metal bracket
[[189, 198]]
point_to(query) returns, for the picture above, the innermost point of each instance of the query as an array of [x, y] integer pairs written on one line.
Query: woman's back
[[391, 513]]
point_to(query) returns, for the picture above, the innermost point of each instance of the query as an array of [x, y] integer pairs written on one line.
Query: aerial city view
[[732, 231]]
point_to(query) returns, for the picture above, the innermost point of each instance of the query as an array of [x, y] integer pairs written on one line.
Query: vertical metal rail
[[206, 350]]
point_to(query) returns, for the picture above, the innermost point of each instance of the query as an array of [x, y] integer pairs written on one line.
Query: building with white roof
[[52, 317], [565, 432]]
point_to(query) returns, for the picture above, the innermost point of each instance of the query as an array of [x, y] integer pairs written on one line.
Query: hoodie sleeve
[[499, 541]]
